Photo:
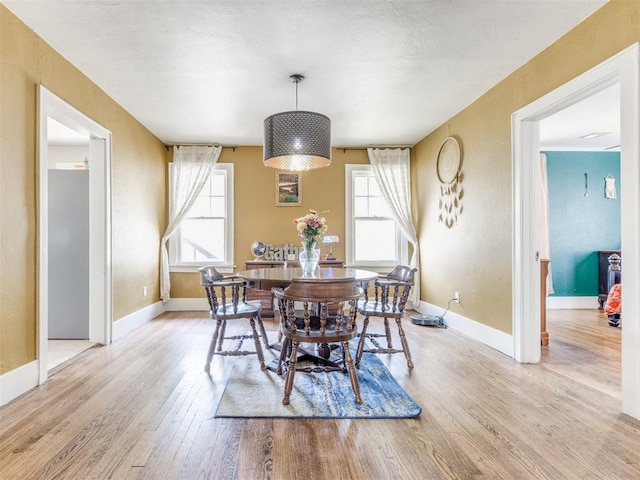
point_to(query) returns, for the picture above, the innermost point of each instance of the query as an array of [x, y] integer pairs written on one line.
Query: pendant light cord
[[296, 78]]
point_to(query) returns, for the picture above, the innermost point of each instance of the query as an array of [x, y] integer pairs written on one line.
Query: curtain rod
[[234, 147], [344, 149], [167, 146]]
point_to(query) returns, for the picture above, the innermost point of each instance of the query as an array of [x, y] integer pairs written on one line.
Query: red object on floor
[[614, 300]]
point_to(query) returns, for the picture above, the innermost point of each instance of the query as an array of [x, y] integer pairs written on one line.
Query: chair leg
[[256, 340], [291, 372], [223, 327], [278, 318], [405, 344], [363, 337], [387, 332], [212, 346], [286, 345], [263, 332], [355, 384]]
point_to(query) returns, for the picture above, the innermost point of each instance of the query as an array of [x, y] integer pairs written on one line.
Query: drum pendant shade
[[297, 140]]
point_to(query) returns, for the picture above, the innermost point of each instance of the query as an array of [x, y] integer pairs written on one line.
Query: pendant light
[[297, 140]]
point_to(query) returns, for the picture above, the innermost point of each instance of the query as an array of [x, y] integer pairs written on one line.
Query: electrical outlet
[[456, 297], [144, 291]]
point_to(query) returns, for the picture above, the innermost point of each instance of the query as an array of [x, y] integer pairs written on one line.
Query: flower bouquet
[[310, 227]]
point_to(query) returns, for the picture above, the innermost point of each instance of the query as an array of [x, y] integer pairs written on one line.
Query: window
[[205, 235], [372, 237]]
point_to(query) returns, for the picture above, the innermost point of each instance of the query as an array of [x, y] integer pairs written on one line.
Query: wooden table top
[[275, 277]]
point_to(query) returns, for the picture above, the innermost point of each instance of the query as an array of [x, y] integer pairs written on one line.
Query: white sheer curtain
[[545, 249], [391, 170], [192, 166]]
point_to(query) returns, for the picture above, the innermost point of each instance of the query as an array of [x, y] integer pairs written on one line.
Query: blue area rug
[[251, 392]]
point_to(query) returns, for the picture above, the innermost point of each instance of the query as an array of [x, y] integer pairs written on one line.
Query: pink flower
[[311, 225]]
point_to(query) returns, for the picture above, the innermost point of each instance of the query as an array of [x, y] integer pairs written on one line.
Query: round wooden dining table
[[268, 278]]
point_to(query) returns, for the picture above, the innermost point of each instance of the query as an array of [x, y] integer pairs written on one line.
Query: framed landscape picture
[[288, 189]]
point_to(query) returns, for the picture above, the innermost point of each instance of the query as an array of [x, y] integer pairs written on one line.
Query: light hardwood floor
[[143, 408]]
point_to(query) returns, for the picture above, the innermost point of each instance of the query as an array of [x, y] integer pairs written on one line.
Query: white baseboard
[[136, 319], [501, 341], [569, 303], [187, 304], [18, 381]]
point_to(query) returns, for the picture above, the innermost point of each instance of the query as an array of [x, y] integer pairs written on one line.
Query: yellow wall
[[475, 257], [257, 217], [138, 196]]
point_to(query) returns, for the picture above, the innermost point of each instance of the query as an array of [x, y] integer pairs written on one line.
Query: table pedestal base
[[322, 358]]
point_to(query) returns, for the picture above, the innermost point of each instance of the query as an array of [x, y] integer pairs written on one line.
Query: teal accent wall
[[581, 225]]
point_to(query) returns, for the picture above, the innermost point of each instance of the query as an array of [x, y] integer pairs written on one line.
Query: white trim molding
[[18, 381], [187, 304], [100, 264], [126, 324], [496, 339]]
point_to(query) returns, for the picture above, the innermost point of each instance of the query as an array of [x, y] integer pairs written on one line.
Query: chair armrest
[[390, 291], [389, 282], [233, 279]]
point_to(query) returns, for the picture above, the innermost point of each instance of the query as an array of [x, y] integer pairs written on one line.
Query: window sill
[[373, 268], [194, 268]]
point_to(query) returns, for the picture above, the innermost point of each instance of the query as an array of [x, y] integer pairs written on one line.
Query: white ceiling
[[597, 116], [60, 134], [385, 72]]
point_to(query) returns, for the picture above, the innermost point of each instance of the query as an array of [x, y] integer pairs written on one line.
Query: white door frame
[[100, 299], [623, 68]]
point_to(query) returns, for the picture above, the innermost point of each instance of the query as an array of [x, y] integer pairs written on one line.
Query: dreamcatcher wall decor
[[450, 176]]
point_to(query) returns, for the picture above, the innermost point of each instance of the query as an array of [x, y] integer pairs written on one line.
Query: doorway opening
[[581, 148], [623, 68], [74, 255]]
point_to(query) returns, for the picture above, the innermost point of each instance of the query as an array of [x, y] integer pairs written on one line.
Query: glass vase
[[309, 257]]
